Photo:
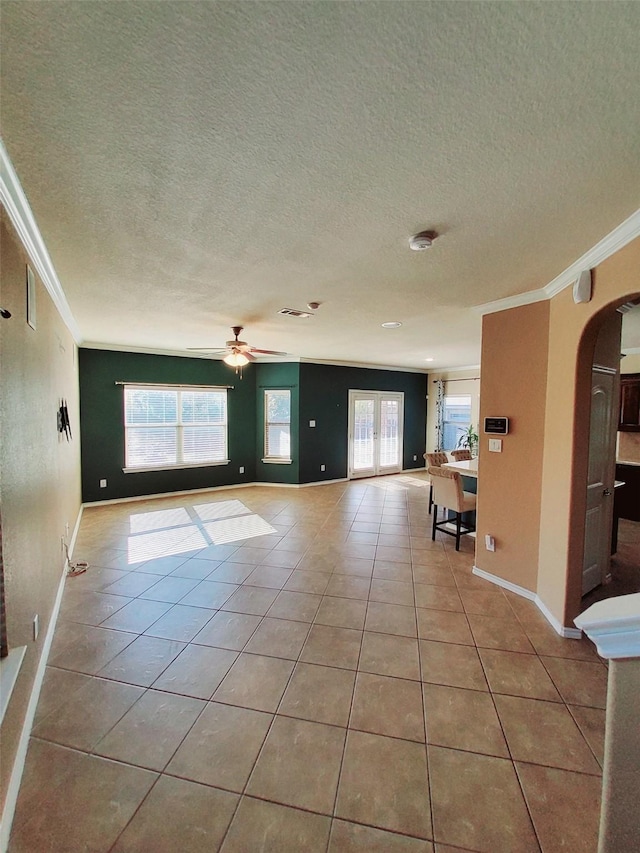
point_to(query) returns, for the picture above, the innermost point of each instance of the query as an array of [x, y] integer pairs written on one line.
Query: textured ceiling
[[197, 165]]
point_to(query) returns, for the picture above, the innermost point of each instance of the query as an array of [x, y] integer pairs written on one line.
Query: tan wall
[[456, 382], [532, 496], [573, 332], [629, 442], [513, 385], [630, 363], [39, 470], [628, 447]]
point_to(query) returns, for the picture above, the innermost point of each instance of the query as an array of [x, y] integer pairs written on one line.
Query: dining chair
[[435, 460], [449, 495], [461, 455]]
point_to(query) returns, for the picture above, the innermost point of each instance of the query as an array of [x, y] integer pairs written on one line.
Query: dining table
[[466, 467]]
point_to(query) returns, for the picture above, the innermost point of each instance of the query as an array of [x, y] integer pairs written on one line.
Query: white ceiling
[[194, 166]]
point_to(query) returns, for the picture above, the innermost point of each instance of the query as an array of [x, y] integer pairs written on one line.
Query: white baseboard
[[170, 494], [208, 489], [512, 587], [302, 485], [23, 744], [568, 633], [76, 528]]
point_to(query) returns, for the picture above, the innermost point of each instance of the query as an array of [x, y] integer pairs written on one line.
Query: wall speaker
[[582, 287]]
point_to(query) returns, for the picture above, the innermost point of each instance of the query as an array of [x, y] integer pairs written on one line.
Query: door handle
[[606, 493]]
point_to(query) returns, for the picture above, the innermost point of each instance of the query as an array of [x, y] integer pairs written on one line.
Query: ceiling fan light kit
[[236, 359], [237, 353]]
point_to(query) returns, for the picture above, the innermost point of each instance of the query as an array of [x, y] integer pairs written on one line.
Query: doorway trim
[[378, 397], [580, 454]]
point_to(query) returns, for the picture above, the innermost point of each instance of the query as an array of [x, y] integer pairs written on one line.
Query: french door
[[375, 432]]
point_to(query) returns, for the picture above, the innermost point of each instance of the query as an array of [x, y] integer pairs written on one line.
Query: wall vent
[[293, 312]]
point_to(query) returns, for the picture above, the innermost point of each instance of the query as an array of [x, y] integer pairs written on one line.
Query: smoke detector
[[423, 240]]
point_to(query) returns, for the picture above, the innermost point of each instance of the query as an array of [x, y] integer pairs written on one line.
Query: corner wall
[[285, 376], [573, 330], [536, 489], [324, 398], [102, 418], [513, 385], [39, 471]]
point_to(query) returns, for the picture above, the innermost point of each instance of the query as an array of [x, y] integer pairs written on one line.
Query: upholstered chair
[[449, 495]]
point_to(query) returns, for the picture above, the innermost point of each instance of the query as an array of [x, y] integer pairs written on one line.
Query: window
[[457, 418], [169, 427], [277, 426]]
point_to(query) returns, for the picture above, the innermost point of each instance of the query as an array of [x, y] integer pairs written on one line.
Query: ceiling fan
[[238, 353]]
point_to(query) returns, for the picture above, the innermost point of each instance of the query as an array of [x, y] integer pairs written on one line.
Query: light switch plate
[[495, 445]]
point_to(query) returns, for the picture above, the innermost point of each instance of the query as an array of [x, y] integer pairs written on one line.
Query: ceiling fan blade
[[267, 351], [248, 355], [206, 349]]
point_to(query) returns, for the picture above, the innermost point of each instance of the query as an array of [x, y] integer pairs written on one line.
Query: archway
[[584, 363]]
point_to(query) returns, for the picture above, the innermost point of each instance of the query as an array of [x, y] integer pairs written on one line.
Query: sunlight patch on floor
[[235, 529]]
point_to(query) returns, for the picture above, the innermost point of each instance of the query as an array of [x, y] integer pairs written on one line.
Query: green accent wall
[[318, 392], [270, 377], [102, 422], [324, 397]]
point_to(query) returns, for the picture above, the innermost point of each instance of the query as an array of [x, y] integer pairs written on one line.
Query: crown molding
[[609, 245], [437, 371], [259, 360], [15, 202], [359, 364]]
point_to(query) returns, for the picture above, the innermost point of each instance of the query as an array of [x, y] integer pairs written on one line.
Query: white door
[[375, 433], [600, 479]]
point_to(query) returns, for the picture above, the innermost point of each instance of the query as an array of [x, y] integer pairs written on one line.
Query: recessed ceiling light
[[428, 359], [392, 325]]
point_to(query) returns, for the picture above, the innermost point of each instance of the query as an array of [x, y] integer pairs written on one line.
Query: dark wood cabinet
[[627, 497], [629, 402]]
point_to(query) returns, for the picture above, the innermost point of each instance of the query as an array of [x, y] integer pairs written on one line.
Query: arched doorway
[[581, 443]]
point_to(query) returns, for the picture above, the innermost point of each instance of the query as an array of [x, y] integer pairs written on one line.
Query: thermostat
[[496, 426]]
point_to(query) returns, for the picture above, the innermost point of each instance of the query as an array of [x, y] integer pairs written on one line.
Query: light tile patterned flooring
[[305, 670]]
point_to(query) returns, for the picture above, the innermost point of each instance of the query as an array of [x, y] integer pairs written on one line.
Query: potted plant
[[469, 440]]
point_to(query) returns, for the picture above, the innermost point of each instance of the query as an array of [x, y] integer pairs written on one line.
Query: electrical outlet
[[415, 458], [323, 467], [489, 542], [103, 484], [241, 469], [36, 627]]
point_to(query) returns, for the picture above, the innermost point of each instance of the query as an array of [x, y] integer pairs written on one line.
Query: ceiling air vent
[[293, 312]]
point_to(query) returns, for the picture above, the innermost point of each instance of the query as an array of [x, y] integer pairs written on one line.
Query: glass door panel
[[363, 434], [389, 433]]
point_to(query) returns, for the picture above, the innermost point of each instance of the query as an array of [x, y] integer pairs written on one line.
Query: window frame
[[272, 459], [179, 425], [459, 425]]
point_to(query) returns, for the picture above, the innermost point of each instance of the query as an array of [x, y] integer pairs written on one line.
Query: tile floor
[[305, 670]]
